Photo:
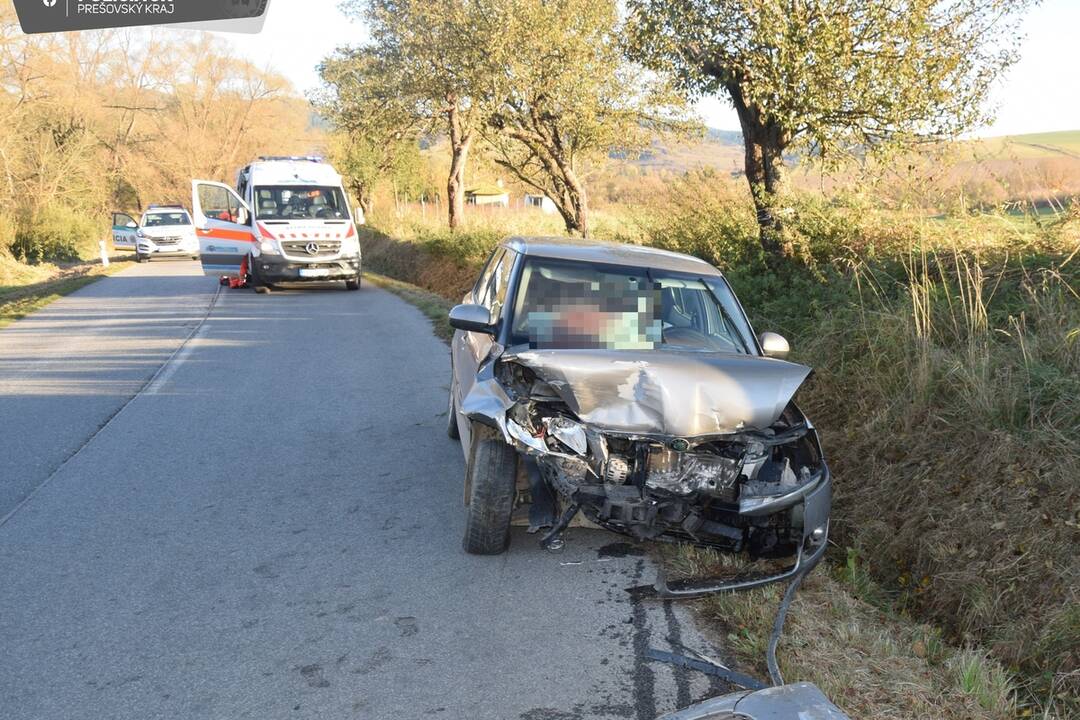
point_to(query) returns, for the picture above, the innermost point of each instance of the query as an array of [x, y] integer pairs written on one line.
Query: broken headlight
[[568, 432], [523, 436]]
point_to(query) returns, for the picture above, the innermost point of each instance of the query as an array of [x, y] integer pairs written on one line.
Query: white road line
[[173, 363]]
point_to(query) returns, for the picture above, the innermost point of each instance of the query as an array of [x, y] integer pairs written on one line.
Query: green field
[[1065, 143]]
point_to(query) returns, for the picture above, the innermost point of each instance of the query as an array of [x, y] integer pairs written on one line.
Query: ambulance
[[288, 220]]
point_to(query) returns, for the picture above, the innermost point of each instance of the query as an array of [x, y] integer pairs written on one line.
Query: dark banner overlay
[[40, 16]]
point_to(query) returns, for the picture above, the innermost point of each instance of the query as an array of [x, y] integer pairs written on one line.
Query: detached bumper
[[814, 505], [275, 268], [798, 701]]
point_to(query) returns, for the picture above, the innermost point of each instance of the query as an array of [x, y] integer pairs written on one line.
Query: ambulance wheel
[[253, 278]]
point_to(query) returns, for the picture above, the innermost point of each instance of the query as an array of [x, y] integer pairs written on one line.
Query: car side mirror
[[472, 318], [774, 345], [131, 224], [358, 215]]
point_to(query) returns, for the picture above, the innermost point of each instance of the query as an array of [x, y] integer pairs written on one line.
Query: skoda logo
[[49, 3], [680, 445], [312, 248]]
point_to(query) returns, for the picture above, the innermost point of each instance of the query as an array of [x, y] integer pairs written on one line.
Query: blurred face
[[610, 313]]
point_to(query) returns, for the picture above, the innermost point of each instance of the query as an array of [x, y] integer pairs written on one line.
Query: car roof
[[165, 209], [594, 251]]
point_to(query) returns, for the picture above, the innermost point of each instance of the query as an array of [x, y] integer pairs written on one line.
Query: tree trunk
[[765, 174], [573, 204], [363, 194], [460, 141], [764, 142], [365, 203]]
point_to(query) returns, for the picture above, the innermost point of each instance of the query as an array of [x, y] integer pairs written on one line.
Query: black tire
[[141, 258], [353, 284], [492, 477], [254, 279], [451, 417]]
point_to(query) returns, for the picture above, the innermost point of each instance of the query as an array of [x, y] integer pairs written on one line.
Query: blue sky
[[1039, 94]]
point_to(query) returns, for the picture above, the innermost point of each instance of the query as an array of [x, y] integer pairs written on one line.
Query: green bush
[[55, 234]]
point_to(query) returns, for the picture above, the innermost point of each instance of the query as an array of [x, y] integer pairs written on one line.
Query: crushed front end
[[765, 491]]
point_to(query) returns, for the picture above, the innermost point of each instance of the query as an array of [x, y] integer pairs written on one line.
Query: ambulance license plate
[[314, 272]]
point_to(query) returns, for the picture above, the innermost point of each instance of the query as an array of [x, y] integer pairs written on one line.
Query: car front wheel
[[492, 477]]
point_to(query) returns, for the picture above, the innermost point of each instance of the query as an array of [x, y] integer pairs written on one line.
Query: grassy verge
[[844, 634], [435, 307], [27, 289]]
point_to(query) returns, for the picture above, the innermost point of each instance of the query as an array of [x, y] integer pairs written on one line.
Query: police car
[[162, 231]]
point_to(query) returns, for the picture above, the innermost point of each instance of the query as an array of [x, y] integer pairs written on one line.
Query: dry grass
[[953, 428], [872, 662], [26, 288]]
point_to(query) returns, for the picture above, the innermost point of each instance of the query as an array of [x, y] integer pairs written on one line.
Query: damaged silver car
[[626, 383]]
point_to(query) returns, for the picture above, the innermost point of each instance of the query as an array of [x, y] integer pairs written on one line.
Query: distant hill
[[1065, 143], [719, 149], [723, 150], [724, 137]]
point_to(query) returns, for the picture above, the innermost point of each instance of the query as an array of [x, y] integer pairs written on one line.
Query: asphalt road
[[225, 505]]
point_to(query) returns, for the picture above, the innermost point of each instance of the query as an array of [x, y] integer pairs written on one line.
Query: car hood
[[169, 231], [667, 392]]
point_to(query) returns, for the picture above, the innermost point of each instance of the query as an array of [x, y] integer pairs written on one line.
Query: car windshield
[[573, 305], [159, 219], [294, 202]]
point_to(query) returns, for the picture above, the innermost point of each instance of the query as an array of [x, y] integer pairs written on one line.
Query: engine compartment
[[714, 490]]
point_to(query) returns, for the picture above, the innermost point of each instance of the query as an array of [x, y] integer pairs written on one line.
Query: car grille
[[323, 248], [171, 240]]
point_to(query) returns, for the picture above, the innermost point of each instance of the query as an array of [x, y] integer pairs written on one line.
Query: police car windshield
[[159, 219], [296, 202]]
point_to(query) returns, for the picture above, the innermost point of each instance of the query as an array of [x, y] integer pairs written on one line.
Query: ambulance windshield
[[295, 202]]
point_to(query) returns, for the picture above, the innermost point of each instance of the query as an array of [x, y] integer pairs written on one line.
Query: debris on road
[[799, 701]]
